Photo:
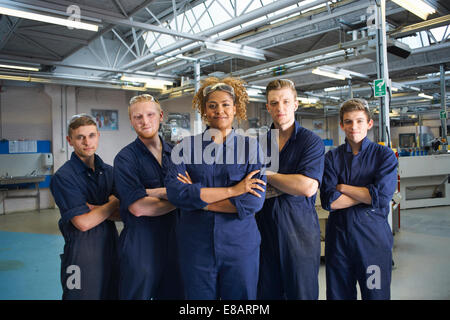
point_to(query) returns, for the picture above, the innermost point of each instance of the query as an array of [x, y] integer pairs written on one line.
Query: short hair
[[240, 96], [280, 84], [143, 98], [80, 120], [354, 104]]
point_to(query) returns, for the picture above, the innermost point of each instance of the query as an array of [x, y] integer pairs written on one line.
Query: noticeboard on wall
[[107, 120]]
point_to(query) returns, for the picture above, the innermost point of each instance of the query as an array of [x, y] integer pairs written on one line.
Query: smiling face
[[220, 110], [84, 141], [145, 118], [282, 104], [355, 124]]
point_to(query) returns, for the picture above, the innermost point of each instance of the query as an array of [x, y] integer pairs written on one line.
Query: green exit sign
[[443, 114], [379, 87]]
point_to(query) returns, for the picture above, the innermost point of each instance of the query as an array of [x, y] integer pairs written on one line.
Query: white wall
[[25, 114]]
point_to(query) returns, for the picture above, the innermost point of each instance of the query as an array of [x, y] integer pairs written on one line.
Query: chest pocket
[[198, 173]]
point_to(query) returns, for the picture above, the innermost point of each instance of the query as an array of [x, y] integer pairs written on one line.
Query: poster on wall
[[107, 120], [318, 126]]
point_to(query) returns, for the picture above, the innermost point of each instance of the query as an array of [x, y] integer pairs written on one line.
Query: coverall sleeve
[[312, 163], [181, 195], [70, 200], [328, 192], [248, 204], [126, 180], [385, 180]]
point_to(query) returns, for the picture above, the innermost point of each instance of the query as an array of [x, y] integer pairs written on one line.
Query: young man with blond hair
[[288, 221], [147, 249]]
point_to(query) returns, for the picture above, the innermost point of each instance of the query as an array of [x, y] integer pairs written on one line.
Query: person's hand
[[91, 206], [250, 185], [185, 179], [112, 198]]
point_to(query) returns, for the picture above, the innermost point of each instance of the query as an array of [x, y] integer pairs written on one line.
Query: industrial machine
[[424, 180], [176, 127]]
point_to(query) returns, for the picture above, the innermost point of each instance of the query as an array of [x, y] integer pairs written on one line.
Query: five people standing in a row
[[209, 219]]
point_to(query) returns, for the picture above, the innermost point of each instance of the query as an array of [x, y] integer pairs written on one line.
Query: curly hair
[[240, 98]]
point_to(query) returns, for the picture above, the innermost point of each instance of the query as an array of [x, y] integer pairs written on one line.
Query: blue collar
[[364, 144], [80, 166], [293, 136], [165, 146]]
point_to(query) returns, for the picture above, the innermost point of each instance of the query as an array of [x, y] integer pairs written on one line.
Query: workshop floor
[[30, 244]]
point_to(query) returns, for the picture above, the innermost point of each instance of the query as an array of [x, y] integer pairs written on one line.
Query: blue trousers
[[359, 251]]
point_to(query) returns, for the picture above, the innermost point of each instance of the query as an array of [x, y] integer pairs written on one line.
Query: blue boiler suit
[[147, 246], [289, 225], [219, 252], [93, 252], [358, 241]]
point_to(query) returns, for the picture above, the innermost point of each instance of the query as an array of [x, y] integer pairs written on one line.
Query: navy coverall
[[219, 252], [92, 254], [147, 247], [289, 225], [358, 241]]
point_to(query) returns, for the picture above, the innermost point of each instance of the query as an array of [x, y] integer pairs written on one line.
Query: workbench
[[13, 183]]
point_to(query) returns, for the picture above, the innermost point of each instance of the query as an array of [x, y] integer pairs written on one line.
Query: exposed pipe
[[443, 107], [62, 120]]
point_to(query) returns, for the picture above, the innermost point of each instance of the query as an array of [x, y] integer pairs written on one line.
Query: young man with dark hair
[[83, 190], [359, 180]]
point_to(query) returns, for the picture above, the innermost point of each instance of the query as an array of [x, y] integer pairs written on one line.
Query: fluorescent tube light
[[423, 95], [253, 92], [335, 88], [417, 7], [307, 100], [149, 83], [133, 88], [326, 73], [21, 78], [48, 19], [8, 66], [235, 50]]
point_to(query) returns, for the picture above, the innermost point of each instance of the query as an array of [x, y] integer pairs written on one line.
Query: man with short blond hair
[[147, 252], [288, 221]]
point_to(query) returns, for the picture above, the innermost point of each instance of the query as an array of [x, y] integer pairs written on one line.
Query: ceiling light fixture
[[235, 50], [8, 66], [307, 100], [417, 7], [423, 95], [149, 83], [48, 19], [328, 72], [21, 78]]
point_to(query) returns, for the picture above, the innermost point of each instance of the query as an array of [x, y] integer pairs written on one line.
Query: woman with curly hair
[[216, 182]]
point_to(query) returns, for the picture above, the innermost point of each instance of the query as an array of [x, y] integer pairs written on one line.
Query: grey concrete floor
[[421, 249]]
